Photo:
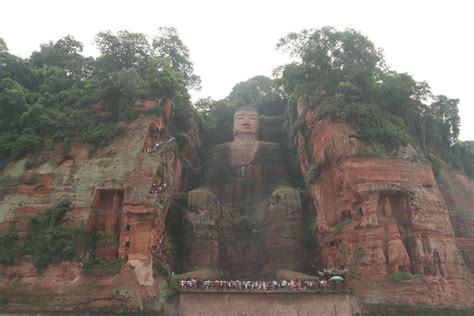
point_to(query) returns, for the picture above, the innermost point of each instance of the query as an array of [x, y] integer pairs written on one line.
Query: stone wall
[[301, 304]]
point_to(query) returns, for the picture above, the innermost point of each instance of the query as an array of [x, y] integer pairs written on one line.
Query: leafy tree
[[260, 92], [446, 115], [66, 53], [343, 75], [400, 95], [12, 102], [465, 152], [55, 80], [204, 105], [16, 68], [162, 81], [219, 122], [327, 57], [120, 89], [167, 45], [250, 91], [123, 50], [3, 46], [47, 98], [9, 248]]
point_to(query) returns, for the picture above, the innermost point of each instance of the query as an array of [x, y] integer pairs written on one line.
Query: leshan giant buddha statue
[[245, 221]]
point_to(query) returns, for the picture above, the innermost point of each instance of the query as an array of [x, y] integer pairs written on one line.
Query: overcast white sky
[[232, 41]]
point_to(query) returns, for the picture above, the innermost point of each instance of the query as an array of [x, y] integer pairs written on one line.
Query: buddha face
[[245, 125]]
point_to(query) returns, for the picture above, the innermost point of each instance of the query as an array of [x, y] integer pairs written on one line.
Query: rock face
[[378, 217], [458, 192], [292, 304], [382, 219], [123, 190]]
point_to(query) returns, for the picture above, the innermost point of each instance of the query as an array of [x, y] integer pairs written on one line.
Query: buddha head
[[245, 124]]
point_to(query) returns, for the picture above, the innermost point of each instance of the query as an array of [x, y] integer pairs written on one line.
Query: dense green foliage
[[341, 74], [463, 156], [58, 95], [9, 248], [261, 93], [47, 240]]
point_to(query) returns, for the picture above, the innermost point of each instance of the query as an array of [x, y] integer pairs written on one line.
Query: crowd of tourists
[[157, 189], [156, 147], [274, 285]]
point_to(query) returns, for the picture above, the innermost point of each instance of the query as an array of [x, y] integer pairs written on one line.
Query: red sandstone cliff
[[378, 217], [110, 192], [375, 216]]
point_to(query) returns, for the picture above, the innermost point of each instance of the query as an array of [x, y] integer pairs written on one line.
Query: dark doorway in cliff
[[175, 250], [107, 209], [108, 199]]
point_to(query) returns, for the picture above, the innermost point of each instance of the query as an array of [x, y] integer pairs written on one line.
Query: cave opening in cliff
[[108, 199], [107, 209]]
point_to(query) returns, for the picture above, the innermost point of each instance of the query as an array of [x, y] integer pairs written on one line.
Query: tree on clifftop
[[48, 97], [329, 57], [341, 74], [260, 92], [168, 45]]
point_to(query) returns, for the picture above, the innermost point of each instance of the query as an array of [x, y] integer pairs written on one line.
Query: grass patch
[[340, 226], [314, 172], [3, 299], [398, 277], [94, 266]]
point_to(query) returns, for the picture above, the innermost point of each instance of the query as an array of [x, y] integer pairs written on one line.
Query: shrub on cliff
[[339, 228], [314, 172], [399, 277], [10, 249], [48, 240]]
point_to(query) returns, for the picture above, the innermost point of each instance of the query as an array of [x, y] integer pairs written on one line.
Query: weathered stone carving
[[246, 221], [246, 125]]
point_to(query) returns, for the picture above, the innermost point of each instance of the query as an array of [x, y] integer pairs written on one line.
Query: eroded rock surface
[[123, 190], [245, 221], [379, 217]]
